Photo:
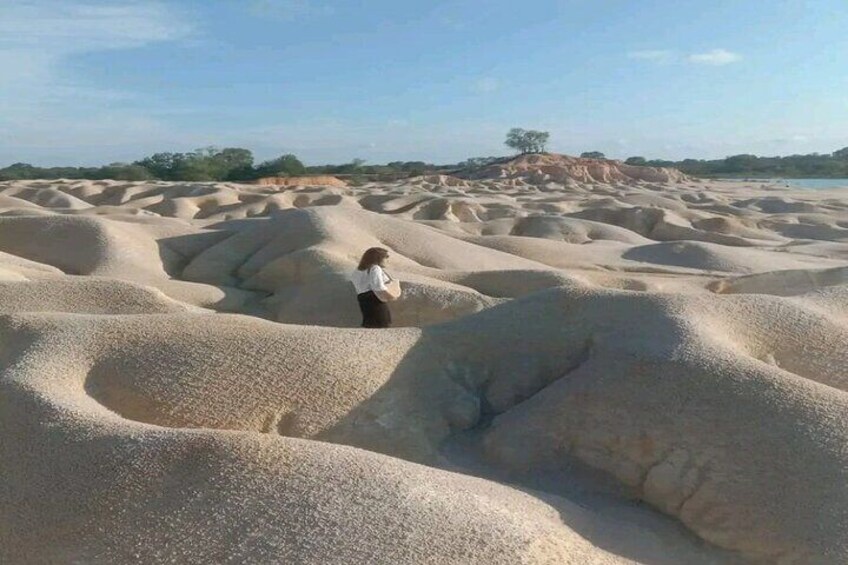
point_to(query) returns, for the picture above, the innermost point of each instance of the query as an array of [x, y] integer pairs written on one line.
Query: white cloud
[[36, 36], [656, 55], [715, 57], [49, 26], [485, 85], [39, 37]]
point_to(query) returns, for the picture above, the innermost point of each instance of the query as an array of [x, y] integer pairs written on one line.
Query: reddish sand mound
[[551, 167], [320, 180]]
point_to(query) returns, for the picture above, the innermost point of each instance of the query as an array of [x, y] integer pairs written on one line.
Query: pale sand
[[635, 370]]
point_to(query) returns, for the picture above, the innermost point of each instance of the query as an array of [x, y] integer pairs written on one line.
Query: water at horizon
[[812, 184]]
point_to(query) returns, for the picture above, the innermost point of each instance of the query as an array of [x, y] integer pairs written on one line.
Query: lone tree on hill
[[592, 155], [527, 141], [640, 161]]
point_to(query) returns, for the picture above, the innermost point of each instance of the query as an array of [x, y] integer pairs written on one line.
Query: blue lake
[[814, 184]]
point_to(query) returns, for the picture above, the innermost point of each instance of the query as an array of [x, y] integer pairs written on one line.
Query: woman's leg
[[384, 315], [365, 308]]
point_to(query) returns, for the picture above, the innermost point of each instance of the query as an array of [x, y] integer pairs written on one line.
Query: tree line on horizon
[[233, 164], [236, 164], [812, 165]]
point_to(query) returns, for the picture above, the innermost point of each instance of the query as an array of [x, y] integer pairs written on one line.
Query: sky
[[93, 82]]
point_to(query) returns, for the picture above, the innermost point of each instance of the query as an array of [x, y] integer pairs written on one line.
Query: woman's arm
[[378, 285]]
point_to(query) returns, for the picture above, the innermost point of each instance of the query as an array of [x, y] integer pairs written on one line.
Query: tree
[[538, 140], [638, 161], [415, 168], [233, 158], [841, 154], [212, 163], [592, 155], [195, 169], [741, 163], [204, 164], [232, 163], [354, 166], [163, 165], [19, 171], [477, 162], [527, 141], [122, 171], [284, 165]]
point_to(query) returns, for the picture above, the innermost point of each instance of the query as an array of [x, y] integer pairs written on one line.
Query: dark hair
[[371, 257]]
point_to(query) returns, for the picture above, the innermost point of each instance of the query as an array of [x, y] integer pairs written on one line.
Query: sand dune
[[559, 168], [320, 180], [594, 363]]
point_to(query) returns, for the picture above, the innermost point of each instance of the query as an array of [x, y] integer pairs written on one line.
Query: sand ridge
[[647, 368]]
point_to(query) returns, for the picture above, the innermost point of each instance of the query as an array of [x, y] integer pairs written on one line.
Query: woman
[[370, 281]]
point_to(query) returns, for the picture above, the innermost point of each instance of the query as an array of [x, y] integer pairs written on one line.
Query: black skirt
[[375, 312]]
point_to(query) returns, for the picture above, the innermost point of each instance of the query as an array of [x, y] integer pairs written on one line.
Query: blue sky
[[90, 82]]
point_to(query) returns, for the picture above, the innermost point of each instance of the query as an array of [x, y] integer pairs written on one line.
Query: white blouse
[[372, 279]]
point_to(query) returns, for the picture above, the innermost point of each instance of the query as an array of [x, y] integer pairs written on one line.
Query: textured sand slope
[[303, 257], [711, 415], [646, 367], [192, 384], [688, 420], [92, 486]]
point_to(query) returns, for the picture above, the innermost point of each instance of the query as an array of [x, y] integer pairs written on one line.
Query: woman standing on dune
[[374, 288]]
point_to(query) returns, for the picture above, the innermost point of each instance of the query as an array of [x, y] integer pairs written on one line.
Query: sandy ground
[[585, 369]]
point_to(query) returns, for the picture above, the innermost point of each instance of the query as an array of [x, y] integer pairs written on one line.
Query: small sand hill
[[320, 180], [551, 167], [725, 405], [789, 282], [304, 257], [596, 365]]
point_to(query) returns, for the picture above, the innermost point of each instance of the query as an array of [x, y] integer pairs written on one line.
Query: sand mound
[[127, 489], [551, 167], [16, 268], [712, 257], [719, 473], [597, 366], [662, 225], [320, 180], [440, 180], [571, 230], [407, 392], [93, 246], [304, 257], [88, 295], [790, 282]]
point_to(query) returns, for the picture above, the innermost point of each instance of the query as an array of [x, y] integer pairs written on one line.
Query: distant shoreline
[[765, 178], [810, 183]]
